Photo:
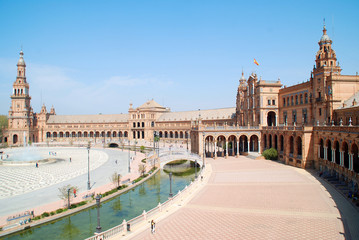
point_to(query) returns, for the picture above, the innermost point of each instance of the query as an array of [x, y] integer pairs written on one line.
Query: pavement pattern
[[20, 179], [259, 199]]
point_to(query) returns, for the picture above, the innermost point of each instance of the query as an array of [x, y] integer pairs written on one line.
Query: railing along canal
[[122, 228]]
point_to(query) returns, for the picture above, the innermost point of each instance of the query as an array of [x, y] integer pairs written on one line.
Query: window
[[152, 124], [306, 98], [296, 99], [273, 102], [283, 102], [320, 112], [268, 101], [134, 124], [292, 100], [143, 124], [301, 99], [294, 115], [287, 101]]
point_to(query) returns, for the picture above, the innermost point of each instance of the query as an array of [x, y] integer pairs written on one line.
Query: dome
[[21, 61], [324, 38]]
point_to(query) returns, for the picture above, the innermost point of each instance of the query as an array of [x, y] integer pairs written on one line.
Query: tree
[[142, 169], [67, 192], [142, 148], [3, 124], [116, 179]]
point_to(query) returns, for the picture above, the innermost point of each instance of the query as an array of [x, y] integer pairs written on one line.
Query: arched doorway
[[329, 150], [281, 143], [271, 119], [221, 146], [209, 146], [243, 144], [265, 141], [299, 147], [291, 146], [15, 138], [354, 151], [337, 152], [346, 154], [254, 143], [232, 145]]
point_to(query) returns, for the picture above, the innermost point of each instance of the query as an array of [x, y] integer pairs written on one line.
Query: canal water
[[126, 206]]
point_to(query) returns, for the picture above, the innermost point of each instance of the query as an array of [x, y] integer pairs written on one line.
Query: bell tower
[[325, 66], [20, 113], [240, 101]]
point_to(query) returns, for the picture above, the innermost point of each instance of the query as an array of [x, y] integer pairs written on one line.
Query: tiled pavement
[[259, 199]]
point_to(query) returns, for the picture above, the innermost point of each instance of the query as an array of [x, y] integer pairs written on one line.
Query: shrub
[[270, 154], [143, 160], [45, 214], [81, 203], [52, 213], [60, 210], [36, 218], [142, 148]]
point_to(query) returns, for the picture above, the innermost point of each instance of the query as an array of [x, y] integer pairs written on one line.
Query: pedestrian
[[74, 192], [153, 226], [70, 159], [37, 165], [116, 161]]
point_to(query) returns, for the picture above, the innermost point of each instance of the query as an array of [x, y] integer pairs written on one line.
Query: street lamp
[[129, 159], [68, 198], [171, 194], [195, 169], [88, 167], [98, 228], [204, 149]]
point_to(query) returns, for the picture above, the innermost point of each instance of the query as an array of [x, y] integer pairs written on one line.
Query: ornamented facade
[[314, 124]]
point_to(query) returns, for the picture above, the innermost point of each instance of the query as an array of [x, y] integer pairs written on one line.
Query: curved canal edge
[[73, 211], [160, 212]]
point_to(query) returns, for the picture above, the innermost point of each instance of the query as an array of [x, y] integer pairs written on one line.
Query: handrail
[[140, 218]]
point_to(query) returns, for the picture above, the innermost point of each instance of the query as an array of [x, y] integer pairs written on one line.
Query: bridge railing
[[141, 218]]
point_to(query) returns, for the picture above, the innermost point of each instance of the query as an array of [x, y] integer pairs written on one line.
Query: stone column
[[333, 156], [318, 147], [233, 148], [215, 149], [341, 158], [325, 153], [226, 148], [248, 145], [238, 148], [351, 161], [243, 145], [259, 146]]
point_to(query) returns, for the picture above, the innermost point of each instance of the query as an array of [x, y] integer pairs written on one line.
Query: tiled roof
[[106, 118], [349, 102], [221, 113], [151, 104]]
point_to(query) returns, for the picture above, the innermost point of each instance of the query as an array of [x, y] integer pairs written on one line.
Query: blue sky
[[90, 57]]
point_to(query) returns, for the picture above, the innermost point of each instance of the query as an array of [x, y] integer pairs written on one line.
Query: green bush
[[52, 213], [142, 148], [270, 154], [81, 203], [45, 214], [36, 218], [60, 210], [143, 160]]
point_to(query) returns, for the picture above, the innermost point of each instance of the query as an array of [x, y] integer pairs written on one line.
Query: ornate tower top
[[21, 61]]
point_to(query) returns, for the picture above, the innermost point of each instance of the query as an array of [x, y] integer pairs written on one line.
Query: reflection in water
[[116, 205], [69, 230], [127, 206]]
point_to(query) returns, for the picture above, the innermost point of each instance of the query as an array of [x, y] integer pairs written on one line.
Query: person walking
[[153, 226]]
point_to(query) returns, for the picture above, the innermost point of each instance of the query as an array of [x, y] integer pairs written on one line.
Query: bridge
[[167, 156]]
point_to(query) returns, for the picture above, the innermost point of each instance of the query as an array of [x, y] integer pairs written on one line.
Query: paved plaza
[[260, 199], [25, 187]]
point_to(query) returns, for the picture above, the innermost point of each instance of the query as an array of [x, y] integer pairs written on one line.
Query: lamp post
[[171, 194], [88, 167], [204, 149], [68, 198], [195, 169], [129, 158], [98, 228]]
